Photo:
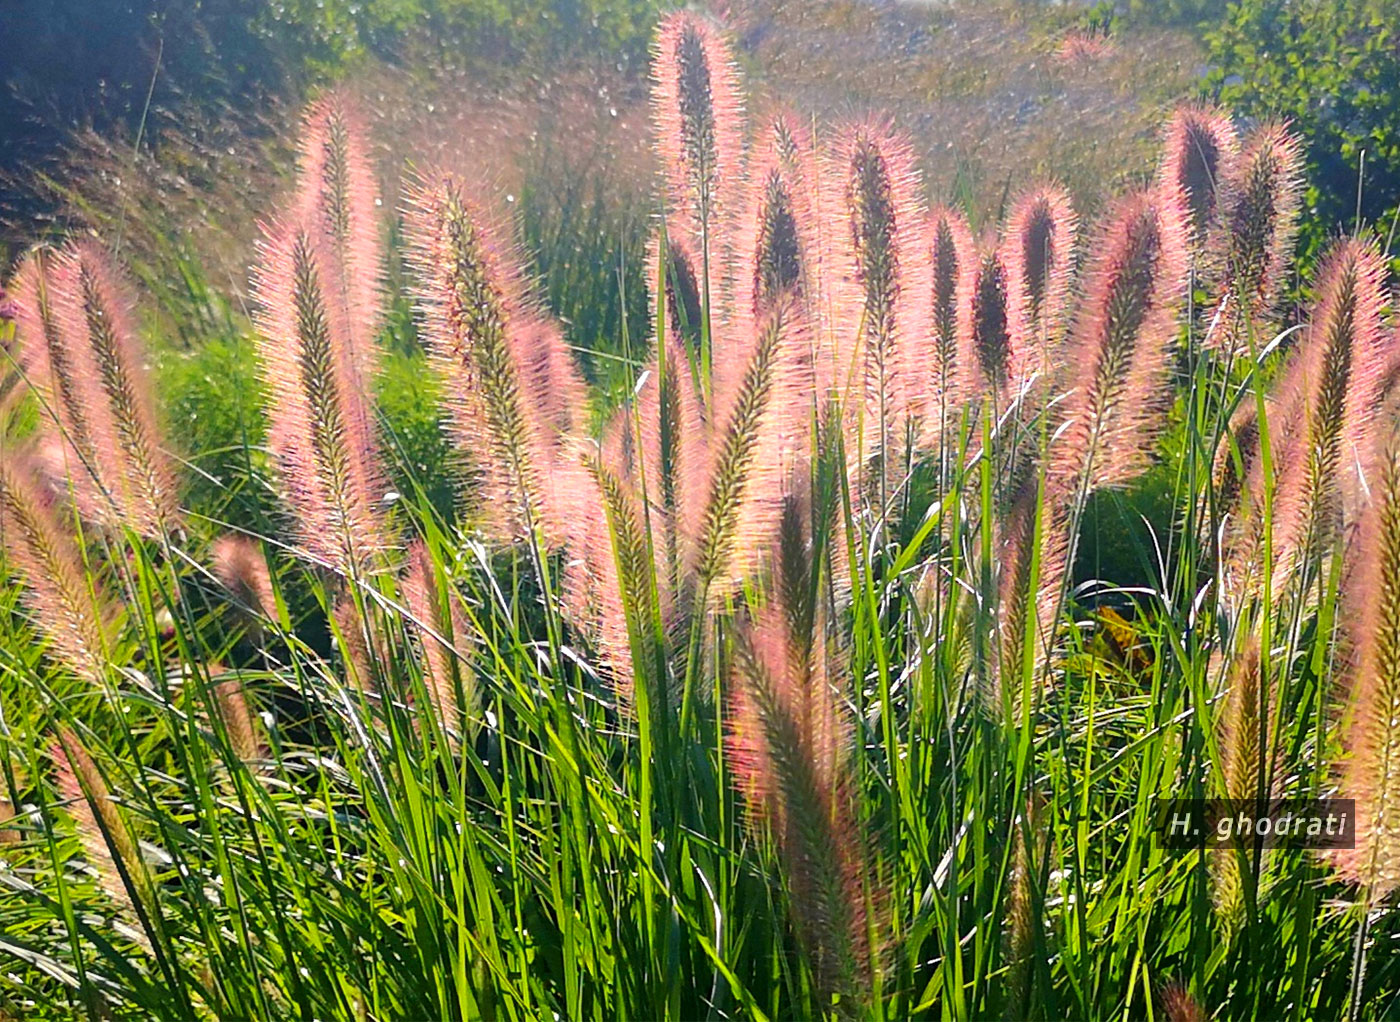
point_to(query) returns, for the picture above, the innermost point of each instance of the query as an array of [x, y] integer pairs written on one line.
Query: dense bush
[[1333, 67]]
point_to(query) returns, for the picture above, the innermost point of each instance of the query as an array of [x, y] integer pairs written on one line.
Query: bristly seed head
[[1120, 348]]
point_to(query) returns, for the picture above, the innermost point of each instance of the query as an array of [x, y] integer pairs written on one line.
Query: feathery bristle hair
[[512, 387], [698, 112], [239, 565], [68, 604], [322, 430], [231, 704], [108, 843], [1371, 773], [883, 310], [1198, 158], [789, 739], [1260, 220], [1039, 258], [46, 357], [1326, 408], [337, 197], [1035, 540], [1179, 1006], [951, 256], [437, 618], [748, 459], [80, 348], [991, 342], [1119, 350]]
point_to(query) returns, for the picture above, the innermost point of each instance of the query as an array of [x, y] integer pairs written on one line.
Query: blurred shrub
[[1333, 67]]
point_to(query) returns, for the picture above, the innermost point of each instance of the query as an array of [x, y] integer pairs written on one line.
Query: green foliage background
[[1333, 68]]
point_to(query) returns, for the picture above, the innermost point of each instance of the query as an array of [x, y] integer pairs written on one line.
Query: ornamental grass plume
[[68, 603], [337, 198], [698, 112], [656, 450], [1198, 158], [1021, 913], [1119, 350], [1235, 458], [79, 348], [790, 741], [1038, 254], [435, 615], [1369, 773], [988, 331], [1323, 416], [761, 435], [1034, 556], [1119, 354], [321, 428], [952, 256], [231, 704], [513, 391], [1179, 1006], [46, 358], [239, 565], [684, 309], [610, 571], [108, 843], [1247, 772], [880, 289], [776, 245], [1259, 223]]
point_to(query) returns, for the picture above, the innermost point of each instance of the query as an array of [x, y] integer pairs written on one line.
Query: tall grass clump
[[787, 684]]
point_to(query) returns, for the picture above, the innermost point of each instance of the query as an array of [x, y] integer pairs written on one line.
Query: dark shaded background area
[[72, 64]]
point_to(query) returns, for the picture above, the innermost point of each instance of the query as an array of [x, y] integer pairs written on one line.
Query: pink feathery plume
[[46, 358], [880, 285], [1027, 606], [989, 334], [239, 565], [699, 116], [80, 348], [1324, 415], [1119, 351], [952, 256], [1243, 734], [436, 617], [1038, 252], [1371, 735], [763, 432], [514, 392], [1179, 1006], [1259, 222], [774, 237], [108, 843], [231, 704], [684, 301], [776, 246], [68, 604], [1198, 158], [790, 739], [610, 569], [1236, 457], [657, 447], [321, 426], [337, 198]]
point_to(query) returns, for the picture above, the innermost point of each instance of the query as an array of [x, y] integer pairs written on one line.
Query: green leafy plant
[[767, 689]]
